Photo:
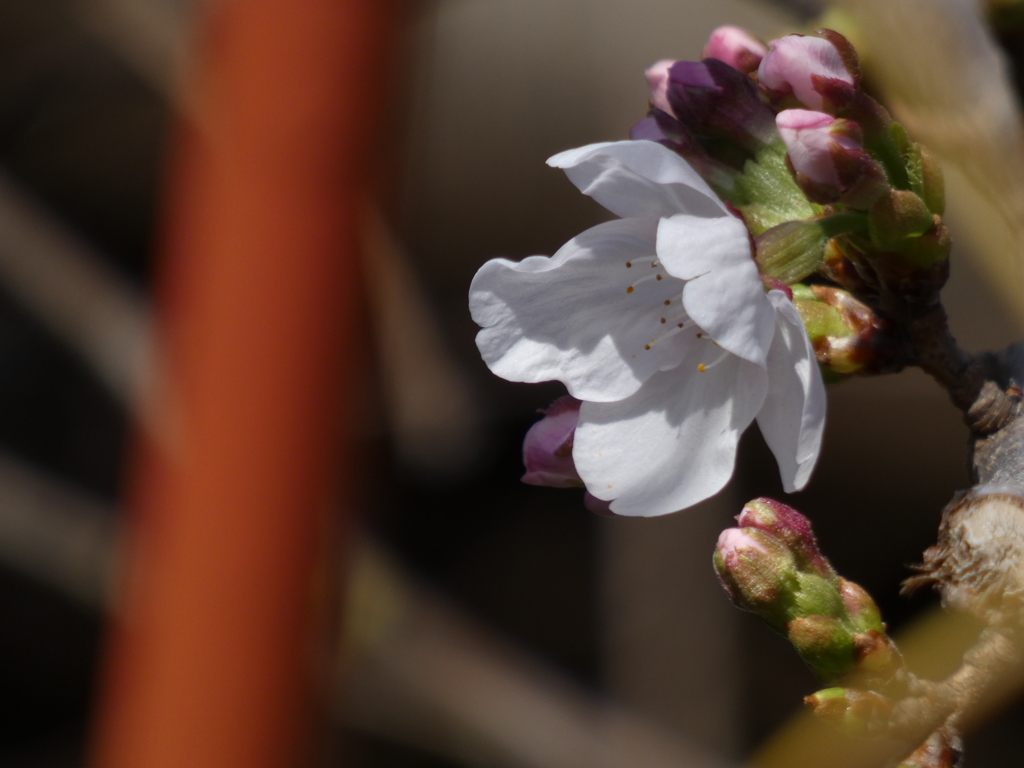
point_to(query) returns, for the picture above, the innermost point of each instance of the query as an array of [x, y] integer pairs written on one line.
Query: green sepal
[[791, 251], [767, 194]]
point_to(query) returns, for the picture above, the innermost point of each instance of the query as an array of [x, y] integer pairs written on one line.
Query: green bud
[[824, 644], [897, 217], [791, 251], [820, 319], [847, 335], [930, 248], [858, 712], [816, 594], [864, 613]]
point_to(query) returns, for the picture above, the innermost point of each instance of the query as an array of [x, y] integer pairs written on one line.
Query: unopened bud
[[663, 128], [896, 218], [838, 265], [736, 47], [847, 335], [789, 526], [758, 573], [802, 66], [657, 82], [824, 644], [827, 158], [860, 712], [821, 320], [931, 248], [547, 447], [792, 250], [862, 607], [714, 100]]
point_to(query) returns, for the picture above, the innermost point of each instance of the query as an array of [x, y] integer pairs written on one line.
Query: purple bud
[[715, 100], [547, 448], [663, 128], [804, 66], [736, 47], [788, 526], [657, 81]]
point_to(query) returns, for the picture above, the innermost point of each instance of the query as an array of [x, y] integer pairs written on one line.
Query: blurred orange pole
[[211, 657]]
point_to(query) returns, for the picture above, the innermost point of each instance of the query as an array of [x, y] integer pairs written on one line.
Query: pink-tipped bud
[[812, 138], [657, 81], [736, 47], [827, 158], [757, 572], [733, 541], [804, 66], [789, 526], [547, 448]]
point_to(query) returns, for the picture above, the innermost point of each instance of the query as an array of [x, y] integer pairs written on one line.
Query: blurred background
[[488, 623]]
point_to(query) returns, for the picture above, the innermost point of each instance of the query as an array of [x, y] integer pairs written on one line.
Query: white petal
[[640, 179], [571, 318], [724, 295], [792, 419], [673, 443]]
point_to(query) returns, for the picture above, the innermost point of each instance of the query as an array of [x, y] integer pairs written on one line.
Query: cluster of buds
[[771, 565], [830, 186]]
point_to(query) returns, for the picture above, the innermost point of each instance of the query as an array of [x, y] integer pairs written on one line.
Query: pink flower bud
[[788, 526], [718, 102], [812, 138], [758, 573], [547, 447], [732, 540], [802, 65], [736, 47], [657, 81], [827, 158]]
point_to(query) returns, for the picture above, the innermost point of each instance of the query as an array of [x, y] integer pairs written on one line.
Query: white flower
[[659, 323]]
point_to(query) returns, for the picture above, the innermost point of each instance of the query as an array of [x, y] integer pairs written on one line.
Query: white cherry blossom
[[658, 321]]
